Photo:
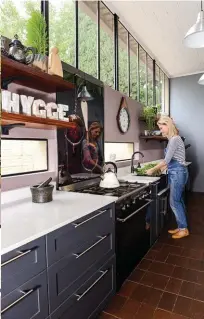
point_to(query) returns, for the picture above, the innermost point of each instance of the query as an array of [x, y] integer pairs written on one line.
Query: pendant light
[[201, 80], [195, 36], [84, 95]]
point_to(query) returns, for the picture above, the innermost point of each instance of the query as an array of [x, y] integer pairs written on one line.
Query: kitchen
[[69, 247]]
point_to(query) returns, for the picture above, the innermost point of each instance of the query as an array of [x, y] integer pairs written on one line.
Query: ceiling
[[160, 26]]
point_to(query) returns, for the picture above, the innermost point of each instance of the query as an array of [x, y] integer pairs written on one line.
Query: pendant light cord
[[201, 5]]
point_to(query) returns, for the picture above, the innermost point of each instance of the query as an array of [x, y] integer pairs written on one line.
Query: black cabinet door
[[71, 271], [85, 302], [21, 264], [29, 301], [71, 237]]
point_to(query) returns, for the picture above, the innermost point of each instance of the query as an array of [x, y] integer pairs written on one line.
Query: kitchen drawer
[[65, 276], [72, 236], [28, 301], [21, 264], [84, 303]]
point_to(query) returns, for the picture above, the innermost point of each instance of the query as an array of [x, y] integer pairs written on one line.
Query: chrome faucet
[[132, 160]]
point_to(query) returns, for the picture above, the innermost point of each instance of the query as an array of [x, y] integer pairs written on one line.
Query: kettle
[[17, 51], [109, 179]]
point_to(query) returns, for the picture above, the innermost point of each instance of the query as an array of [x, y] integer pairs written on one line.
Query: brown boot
[[173, 231], [181, 233]]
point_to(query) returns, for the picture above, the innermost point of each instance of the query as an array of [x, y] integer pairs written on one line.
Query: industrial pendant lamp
[[84, 95], [195, 36], [201, 80]]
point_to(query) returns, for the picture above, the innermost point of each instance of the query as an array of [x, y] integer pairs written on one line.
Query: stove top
[[125, 188]]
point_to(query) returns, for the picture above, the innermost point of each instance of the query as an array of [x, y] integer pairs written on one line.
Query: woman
[[92, 158], [177, 174]]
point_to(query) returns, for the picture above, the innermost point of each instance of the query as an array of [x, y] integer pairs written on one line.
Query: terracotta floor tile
[[167, 301], [153, 297], [200, 277], [174, 250], [105, 316], [144, 264], [161, 268], [199, 292], [191, 253], [182, 306], [127, 289], [157, 246], [129, 309], [174, 285], [154, 280], [176, 316], [187, 289], [116, 305], [197, 309], [162, 314], [191, 275], [137, 275], [151, 255], [145, 312], [177, 261], [140, 293]]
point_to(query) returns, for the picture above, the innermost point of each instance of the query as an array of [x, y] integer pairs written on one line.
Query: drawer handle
[[92, 246], [103, 273], [22, 253], [87, 220], [149, 201], [25, 294]]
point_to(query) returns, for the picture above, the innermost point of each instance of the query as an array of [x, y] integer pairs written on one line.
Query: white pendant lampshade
[[201, 80], [195, 36]]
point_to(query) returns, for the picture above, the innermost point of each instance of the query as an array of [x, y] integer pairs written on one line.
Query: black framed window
[[62, 29], [21, 156], [142, 76], [106, 46], [149, 81], [133, 49], [123, 58], [87, 25]]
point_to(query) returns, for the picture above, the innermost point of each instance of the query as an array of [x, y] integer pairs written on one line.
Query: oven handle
[[149, 201], [165, 190]]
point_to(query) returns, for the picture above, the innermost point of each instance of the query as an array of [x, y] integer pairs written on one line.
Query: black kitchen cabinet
[[21, 264], [70, 268], [29, 301]]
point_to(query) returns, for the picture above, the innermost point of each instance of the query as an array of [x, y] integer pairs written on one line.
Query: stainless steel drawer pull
[[149, 201], [22, 253], [25, 294], [163, 191], [87, 220], [92, 246], [103, 273]]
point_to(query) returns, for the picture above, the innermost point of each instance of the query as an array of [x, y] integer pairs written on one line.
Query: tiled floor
[[169, 281]]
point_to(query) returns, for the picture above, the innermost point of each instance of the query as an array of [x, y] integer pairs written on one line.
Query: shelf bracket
[[6, 128]]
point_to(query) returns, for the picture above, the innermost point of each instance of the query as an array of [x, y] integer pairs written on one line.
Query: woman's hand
[[150, 171]]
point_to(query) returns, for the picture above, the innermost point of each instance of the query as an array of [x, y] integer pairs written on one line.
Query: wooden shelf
[[153, 138], [31, 77], [34, 121]]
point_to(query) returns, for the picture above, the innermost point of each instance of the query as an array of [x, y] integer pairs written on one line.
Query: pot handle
[[114, 166]]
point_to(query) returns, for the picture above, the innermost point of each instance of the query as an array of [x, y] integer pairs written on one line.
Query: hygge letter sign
[[22, 104]]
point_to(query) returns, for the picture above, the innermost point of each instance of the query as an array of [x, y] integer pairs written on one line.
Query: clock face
[[123, 120]]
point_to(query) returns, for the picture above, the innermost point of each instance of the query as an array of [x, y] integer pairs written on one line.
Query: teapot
[[17, 51], [109, 179]]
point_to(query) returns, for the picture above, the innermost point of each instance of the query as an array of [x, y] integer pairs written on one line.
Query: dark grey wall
[[187, 109]]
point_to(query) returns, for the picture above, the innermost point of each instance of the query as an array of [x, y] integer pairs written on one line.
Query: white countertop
[[24, 221]]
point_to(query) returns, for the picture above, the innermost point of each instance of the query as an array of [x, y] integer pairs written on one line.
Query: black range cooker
[[132, 202]]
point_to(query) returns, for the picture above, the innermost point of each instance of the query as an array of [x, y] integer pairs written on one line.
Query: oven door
[[132, 240], [162, 209]]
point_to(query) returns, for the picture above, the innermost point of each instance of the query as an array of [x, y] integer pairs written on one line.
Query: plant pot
[[146, 132]]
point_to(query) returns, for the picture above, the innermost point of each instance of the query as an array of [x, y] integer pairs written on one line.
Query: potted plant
[[37, 38], [150, 118]]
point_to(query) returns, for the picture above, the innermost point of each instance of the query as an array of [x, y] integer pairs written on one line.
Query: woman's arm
[[161, 166]]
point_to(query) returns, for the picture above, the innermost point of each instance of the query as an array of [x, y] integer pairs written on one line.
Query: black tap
[[132, 160]]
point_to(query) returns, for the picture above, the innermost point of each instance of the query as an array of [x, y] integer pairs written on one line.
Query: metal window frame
[[45, 13], [76, 34], [98, 40], [116, 54], [128, 66], [146, 93]]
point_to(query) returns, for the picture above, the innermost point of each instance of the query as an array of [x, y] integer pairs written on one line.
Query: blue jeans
[[178, 177]]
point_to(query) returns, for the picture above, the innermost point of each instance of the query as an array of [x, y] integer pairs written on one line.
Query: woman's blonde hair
[[166, 120]]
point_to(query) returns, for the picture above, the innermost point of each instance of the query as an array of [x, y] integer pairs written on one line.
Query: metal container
[[42, 195]]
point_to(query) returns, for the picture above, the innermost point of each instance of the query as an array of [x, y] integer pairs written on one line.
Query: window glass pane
[[158, 87], [62, 28], [119, 151], [14, 15], [162, 84], [106, 45], [88, 37], [149, 81], [142, 73], [133, 68], [166, 95], [123, 59], [23, 156]]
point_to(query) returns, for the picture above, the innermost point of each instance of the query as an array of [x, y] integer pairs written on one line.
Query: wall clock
[[123, 117]]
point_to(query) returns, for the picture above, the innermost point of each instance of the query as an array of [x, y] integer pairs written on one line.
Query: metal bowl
[[42, 195]]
